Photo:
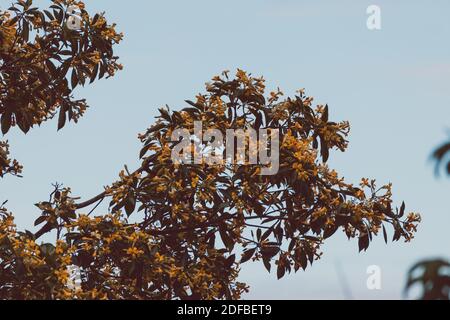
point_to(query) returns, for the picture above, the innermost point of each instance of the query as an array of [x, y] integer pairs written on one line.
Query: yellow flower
[[159, 257], [360, 194], [66, 294], [364, 182], [173, 272], [134, 252], [194, 181], [62, 275], [66, 260]]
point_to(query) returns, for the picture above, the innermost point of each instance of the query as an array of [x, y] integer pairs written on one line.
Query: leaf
[[230, 261], [280, 270], [267, 264], [439, 156], [25, 31], [143, 151], [397, 235], [247, 255], [130, 205], [94, 73], [266, 234], [6, 122], [324, 151], [23, 122], [72, 235], [303, 260], [49, 15], [74, 79], [165, 114], [193, 104], [61, 118], [258, 234], [330, 231], [52, 68], [363, 242], [325, 114], [227, 241], [385, 234], [40, 220], [47, 249], [269, 252], [156, 127], [402, 209], [309, 253]]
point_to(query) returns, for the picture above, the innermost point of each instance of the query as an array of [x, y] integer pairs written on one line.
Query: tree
[[433, 277], [434, 274], [172, 230]]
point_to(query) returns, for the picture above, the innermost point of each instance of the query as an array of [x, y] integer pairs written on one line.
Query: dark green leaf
[[247, 255]]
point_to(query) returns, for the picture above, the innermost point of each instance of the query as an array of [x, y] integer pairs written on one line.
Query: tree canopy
[[172, 231], [433, 275]]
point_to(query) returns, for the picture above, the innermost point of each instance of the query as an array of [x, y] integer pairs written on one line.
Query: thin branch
[[89, 202], [96, 206]]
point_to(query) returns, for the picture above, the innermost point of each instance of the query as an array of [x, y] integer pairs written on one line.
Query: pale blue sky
[[392, 85]]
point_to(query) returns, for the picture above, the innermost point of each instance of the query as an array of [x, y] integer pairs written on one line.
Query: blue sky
[[392, 85]]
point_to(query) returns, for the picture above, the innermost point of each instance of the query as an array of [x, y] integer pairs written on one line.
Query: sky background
[[391, 84]]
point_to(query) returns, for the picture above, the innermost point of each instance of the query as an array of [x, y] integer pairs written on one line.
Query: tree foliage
[[174, 231], [441, 157], [7, 165], [433, 276], [37, 78]]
